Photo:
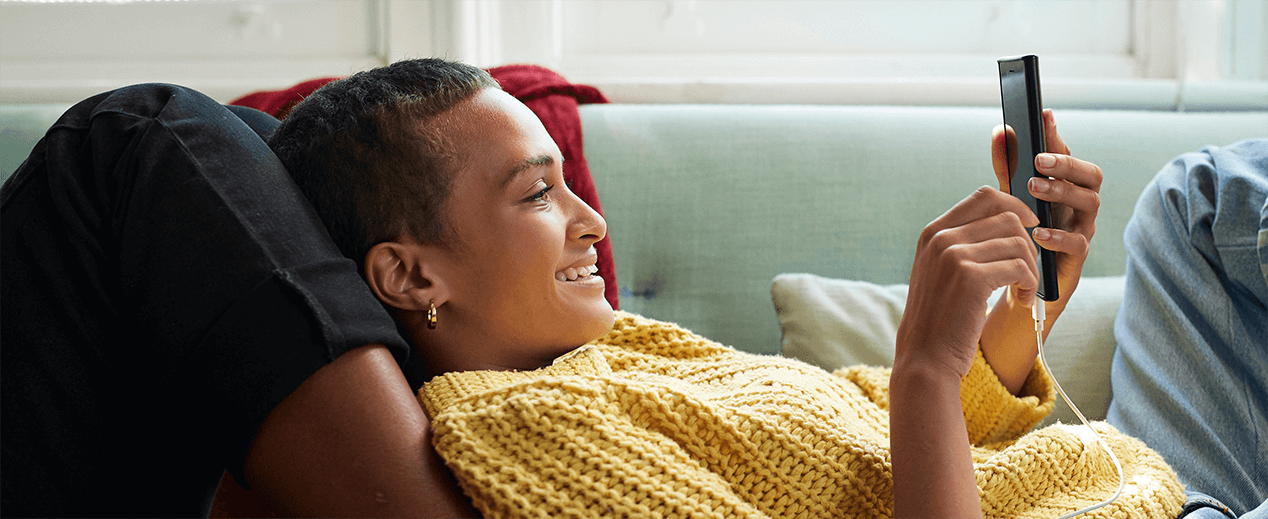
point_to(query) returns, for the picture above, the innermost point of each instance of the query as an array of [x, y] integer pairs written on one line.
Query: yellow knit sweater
[[654, 421]]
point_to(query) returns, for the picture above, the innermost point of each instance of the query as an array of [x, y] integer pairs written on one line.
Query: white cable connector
[[1039, 313]]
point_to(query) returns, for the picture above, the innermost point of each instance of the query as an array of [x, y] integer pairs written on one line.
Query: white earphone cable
[[1038, 312]]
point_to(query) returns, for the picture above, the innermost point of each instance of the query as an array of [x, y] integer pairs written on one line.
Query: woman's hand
[[1008, 338], [1073, 187], [975, 247], [979, 245]]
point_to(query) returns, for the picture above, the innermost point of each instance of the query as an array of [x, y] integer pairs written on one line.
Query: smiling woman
[[505, 278], [645, 417]]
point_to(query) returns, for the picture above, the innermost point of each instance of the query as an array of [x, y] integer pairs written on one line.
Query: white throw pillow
[[837, 322]]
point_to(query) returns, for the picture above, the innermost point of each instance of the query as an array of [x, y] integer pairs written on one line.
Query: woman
[[493, 287]]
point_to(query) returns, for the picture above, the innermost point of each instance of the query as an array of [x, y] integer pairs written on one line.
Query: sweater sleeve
[[992, 414]]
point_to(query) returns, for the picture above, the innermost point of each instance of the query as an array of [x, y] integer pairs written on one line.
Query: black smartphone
[[1023, 127]]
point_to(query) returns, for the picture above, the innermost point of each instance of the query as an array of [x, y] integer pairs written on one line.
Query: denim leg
[[1260, 512], [1188, 376]]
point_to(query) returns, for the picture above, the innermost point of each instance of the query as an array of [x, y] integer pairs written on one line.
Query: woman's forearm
[[929, 446], [1008, 342]]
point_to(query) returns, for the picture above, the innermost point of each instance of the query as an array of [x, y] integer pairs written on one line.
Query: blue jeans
[[1190, 375]]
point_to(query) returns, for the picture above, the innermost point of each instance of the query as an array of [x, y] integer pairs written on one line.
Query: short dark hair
[[361, 151]]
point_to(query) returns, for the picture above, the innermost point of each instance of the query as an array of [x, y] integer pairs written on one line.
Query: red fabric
[[555, 102], [547, 94], [278, 103]]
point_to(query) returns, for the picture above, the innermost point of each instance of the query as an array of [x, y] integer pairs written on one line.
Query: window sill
[[225, 80], [1128, 94]]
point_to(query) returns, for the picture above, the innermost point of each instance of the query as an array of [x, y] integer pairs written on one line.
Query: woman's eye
[[541, 195]]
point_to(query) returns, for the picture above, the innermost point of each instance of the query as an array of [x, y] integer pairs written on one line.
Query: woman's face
[[520, 262]]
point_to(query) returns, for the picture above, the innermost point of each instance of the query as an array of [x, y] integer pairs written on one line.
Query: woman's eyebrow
[[527, 164]]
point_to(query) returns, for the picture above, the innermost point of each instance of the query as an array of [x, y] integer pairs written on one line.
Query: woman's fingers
[[983, 203], [1074, 189], [995, 238], [1052, 139], [999, 155], [1065, 193], [994, 269], [1075, 171], [982, 255], [1072, 243]]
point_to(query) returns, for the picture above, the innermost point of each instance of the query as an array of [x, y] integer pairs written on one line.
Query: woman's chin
[[595, 320], [591, 314]]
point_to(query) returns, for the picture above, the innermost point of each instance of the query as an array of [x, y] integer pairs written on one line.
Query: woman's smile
[[584, 272]]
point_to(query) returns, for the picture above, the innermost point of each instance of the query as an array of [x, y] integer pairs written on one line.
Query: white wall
[[1158, 54]]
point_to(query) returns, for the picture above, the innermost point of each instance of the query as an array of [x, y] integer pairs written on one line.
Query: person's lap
[[164, 286], [1189, 374]]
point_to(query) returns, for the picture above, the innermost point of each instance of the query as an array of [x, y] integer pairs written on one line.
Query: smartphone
[[1023, 128]]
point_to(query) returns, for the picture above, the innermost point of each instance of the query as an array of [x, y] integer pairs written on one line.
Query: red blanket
[[278, 103], [546, 93]]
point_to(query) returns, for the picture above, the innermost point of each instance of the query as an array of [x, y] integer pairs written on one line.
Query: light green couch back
[[706, 204], [21, 126]]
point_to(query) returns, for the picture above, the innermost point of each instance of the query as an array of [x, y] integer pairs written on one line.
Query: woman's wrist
[[931, 461], [1008, 341], [924, 372]]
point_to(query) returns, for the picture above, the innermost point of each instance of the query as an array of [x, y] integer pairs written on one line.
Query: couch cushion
[[836, 322], [21, 126]]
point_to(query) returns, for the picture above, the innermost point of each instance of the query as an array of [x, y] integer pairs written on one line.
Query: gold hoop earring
[[432, 315]]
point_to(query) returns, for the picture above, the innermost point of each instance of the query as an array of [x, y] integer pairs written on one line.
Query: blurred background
[[1140, 54]]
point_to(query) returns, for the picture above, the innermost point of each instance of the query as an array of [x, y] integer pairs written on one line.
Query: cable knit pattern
[[654, 421]]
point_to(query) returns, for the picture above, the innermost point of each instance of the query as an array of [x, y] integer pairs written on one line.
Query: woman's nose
[[587, 224]]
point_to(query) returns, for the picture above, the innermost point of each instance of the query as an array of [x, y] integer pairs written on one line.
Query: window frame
[[1185, 55]]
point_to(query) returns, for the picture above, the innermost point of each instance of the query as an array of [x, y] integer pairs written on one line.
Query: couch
[[791, 229]]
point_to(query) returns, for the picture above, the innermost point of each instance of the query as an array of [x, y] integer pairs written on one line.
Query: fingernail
[[1042, 234], [1038, 185], [1045, 160]]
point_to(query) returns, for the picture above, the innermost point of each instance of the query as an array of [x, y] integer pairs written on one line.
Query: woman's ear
[[403, 275]]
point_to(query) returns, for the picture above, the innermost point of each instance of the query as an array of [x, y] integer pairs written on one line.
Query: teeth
[[572, 273]]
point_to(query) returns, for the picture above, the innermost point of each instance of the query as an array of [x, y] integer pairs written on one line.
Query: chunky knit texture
[[654, 421]]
